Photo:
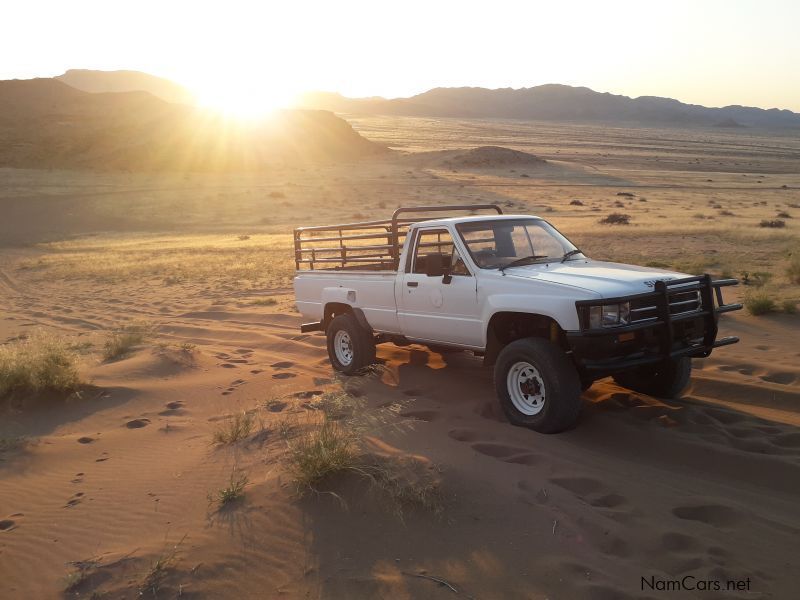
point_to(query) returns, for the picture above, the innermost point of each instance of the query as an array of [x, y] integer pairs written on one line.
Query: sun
[[242, 101]]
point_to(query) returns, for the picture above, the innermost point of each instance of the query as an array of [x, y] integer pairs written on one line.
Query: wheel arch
[[505, 327], [333, 309]]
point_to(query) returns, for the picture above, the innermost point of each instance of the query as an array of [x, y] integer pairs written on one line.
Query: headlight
[[609, 315]]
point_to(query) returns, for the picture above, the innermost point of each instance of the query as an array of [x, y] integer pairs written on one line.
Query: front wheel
[[537, 385], [350, 347], [663, 380]]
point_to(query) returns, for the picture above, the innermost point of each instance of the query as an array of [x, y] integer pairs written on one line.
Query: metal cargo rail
[[365, 245]]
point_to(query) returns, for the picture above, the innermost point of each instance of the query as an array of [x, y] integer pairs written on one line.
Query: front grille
[[681, 302]]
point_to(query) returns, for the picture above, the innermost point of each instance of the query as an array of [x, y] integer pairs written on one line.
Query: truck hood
[[607, 279]]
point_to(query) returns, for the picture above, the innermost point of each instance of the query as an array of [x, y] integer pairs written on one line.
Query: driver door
[[437, 299]]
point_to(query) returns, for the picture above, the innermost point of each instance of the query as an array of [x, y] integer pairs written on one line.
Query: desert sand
[[107, 491]]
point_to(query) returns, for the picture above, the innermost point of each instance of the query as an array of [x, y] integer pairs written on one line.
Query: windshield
[[497, 243]]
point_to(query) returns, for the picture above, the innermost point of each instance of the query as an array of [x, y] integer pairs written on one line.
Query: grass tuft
[[38, 363], [238, 427], [154, 577], [321, 451], [234, 490], [759, 303], [121, 341], [789, 306]]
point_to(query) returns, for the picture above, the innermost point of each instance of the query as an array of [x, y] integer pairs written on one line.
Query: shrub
[[616, 219], [576, 203], [772, 223], [40, 362], [793, 270], [124, 339], [759, 303], [789, 306], [783, 215], [657, 264], [626, 194]]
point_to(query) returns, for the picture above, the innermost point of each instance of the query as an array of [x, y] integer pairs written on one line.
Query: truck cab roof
[[473, 219]]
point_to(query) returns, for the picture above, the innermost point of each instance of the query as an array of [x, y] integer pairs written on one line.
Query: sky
[[708, 52]]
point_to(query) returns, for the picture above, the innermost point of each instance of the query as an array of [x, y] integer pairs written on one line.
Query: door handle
[[412, 283]]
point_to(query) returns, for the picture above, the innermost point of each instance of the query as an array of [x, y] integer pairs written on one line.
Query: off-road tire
[[663, 380], [561, 400], [361, 344]]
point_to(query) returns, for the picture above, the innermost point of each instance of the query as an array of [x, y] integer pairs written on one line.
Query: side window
[[435, 252]]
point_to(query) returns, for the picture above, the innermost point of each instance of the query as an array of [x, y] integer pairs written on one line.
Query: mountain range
[[554, 102]]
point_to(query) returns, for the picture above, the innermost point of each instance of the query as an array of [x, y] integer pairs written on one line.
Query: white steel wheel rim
[[343, 347], [526, 388]]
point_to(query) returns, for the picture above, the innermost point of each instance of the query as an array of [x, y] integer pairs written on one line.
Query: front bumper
[[663, 330]]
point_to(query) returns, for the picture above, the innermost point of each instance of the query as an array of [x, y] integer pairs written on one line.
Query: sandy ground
[[705, 487]]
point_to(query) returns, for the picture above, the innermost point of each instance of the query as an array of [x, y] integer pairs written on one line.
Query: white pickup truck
[[512, 289]]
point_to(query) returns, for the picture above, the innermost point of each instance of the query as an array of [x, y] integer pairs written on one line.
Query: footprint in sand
[[509, 454], [285, 364], [172, 409], [228, 365], [287, 375], [464, 435], [73, 501], [85, 440], [243, 351], [421, 415], [678, 542], [7, 524], [592, 491], [78, 478], [256, 371], [307, 394], [137, 423], [781, 378], [277, 406], [716, 515]]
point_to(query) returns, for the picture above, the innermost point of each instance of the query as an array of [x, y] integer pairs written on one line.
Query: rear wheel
[[664, 380], [537, 385], [350, 346]]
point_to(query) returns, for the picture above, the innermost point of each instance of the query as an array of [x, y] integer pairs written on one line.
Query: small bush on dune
[[616, 219], [321, 451], [772, 223], [789, 306], [124, 339], [793, 270], [759, 303], [39, 363]]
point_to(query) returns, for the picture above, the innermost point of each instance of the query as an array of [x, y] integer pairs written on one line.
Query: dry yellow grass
[[175, 259], [38, 363]]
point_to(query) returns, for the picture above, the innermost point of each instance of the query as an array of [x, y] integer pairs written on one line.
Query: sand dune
[[107, 491]]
